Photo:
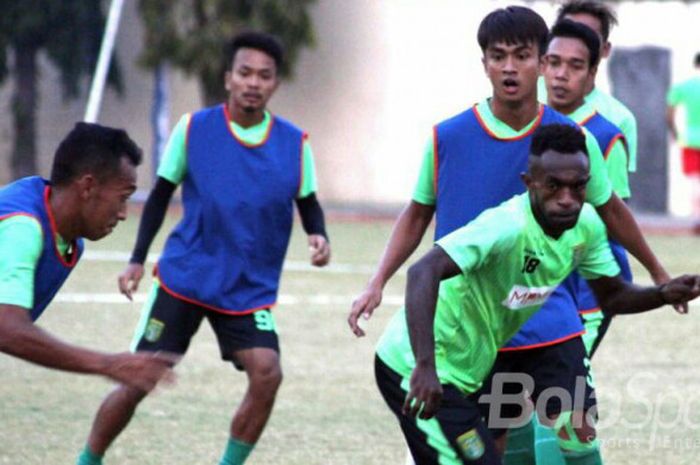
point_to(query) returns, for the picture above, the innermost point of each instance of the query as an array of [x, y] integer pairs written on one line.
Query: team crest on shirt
[[471, 444], [154, 329], [522, 296], [577, 253]]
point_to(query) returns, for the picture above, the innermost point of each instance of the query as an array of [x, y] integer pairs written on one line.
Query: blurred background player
[[686, 94], [242, 169], [600, 17], [42, 226], [471, 292]]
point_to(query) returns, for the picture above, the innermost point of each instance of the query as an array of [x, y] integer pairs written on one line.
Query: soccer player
[[687, 95], [470, 293], [42, 226], [473, 162], [599, 17], [242, 169]]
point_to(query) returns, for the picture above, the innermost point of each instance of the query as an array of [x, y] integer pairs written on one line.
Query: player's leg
[[505, 408], [250, 342], [564, 393], [167, 324], [456, 435]]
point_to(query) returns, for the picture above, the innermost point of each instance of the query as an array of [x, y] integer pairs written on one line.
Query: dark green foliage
[[192, 34]]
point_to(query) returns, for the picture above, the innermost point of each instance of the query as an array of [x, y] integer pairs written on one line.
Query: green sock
[[519, 449], [587, 457], [86, 457], [547, 451], [236, 452]]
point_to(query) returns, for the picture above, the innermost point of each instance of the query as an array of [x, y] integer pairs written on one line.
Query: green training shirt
[[616, 160], [174, 162], [597, 193], [618, 114], [509, 268], [21, 244], [687, 94]]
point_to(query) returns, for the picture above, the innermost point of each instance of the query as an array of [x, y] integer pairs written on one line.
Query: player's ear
[[606, 50], [86, 184], [526, 178]]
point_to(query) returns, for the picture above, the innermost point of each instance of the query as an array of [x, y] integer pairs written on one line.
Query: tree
[[70, 33], [192, 34]]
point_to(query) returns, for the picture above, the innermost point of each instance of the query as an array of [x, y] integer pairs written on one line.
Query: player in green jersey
[[473, 291], [687, 95], [599, 17]]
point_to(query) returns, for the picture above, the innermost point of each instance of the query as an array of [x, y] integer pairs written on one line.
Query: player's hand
[[682, 289], [129, 279], [364, 306], [425, 395], [662, 277], [141, 370], [320, 250]]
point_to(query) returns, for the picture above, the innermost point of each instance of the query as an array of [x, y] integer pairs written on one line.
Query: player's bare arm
[[19, 337], [623, 228], [619, 297], [405, 238], [422, 287]]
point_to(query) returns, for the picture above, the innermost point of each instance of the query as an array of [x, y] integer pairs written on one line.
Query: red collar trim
[[54, 231], [227, 117], [483, 125]]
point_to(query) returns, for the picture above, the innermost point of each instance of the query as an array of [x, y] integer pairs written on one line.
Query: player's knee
[[575, 433], [266, 378]]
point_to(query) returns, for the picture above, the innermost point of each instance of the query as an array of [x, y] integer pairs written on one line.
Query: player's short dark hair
[[92, 148], [696, 61], [512, 25], [597, 9], [572, 29], [262, 41], [562, 138]]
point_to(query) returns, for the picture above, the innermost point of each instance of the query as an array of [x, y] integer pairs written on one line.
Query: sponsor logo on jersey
[[471, 444], [522, 296], [154, 329]]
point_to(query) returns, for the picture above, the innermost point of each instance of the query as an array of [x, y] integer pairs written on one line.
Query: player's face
[[567, 73], [513, 70], [593, 23], [557, 186], [252, 80], [105, 201]]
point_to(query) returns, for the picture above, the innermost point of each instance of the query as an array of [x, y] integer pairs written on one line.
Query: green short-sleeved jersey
[[599, 189], [618, 114], [21, 244], [615, 159], [510, 267], [174, 162], [687, 94]]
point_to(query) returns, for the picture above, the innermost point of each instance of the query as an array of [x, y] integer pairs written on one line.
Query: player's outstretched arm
[[623, 228], [422, 288], [619, 297], [151, 221], [21, 338], [405, 238]]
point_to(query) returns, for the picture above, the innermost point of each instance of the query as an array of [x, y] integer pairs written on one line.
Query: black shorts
[[557, 378], [455, 436], [168, 324]]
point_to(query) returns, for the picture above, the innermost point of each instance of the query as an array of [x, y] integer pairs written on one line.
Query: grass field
[[328, 410]]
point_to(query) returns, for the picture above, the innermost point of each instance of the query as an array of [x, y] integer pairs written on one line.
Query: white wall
[[382, 73]]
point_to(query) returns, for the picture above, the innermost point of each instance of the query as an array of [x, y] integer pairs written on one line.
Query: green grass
[[328, 409]]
